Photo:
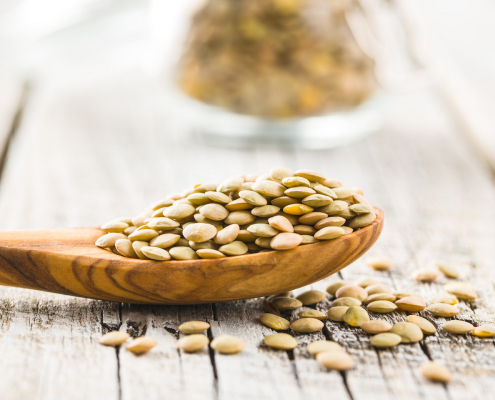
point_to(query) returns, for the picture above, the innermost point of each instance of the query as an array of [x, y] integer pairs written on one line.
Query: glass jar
[[292, 72]]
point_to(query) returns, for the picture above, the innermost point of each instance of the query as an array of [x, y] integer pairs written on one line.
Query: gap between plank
[[328, 335], [211, 353], [290, 354], [117, 353], [12, 129]]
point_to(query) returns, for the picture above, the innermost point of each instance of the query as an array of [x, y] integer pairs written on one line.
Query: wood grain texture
[[66, 261], [93, 151]]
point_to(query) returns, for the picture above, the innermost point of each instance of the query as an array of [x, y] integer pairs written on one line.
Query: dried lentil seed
[[365, 282], [329, 233], [279, 174], [183, 253], [264, 242], [382, 306], [274, 321], [155, 253], [286, 303], [320, 346], [228, 234], [461, 290], [209, 254], [317, 200], [311, 297], [281, 223], [426, 326], [362, 220], [124, 247], [280, 341], [178, 211], [269, 188], [240, 218], [297, 209], [380, 263], [285, 241], [361, 208], [137, 246], [334, 208], [444, 298], [426, 275], [199, 232], [218, 197], [114, 338], [435, 372], [376, 326], [379, 297], [308, 239], [458, 327], [378, 288], [235, 248], [334, 286], [484, 331], [354, 291], [311, 176], [411, 304], [198, 199], [306, 325], [208, 245], [320, 189], [165, 240], [337, 313], [443, 310], [238, 205], [109, 239], [385, 340], [284, 201], [253, 198], [193, 343], [312, 314], [447, 269], [355, 316], [141, 345], [115, 227], [312, 218], [231, 184], [338, 360], [409, 332], [330, 221], [400, 294], [304, 230], [346, 301], [295, 181], [227, 344]]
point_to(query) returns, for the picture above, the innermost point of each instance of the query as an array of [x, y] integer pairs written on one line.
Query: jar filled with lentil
[[288, 70], [276, 59]]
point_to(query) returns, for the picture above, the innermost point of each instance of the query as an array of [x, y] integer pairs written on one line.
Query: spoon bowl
[[66, 261]]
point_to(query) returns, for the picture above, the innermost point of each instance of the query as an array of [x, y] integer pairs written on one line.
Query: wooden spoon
[[67, 261]]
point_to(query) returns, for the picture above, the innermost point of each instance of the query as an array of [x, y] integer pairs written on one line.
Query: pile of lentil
[[349, 304], [245, 214]]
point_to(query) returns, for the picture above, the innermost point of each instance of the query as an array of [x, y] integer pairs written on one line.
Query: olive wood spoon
[[67, 261]]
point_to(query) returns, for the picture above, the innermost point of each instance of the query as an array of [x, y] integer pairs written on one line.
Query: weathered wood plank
[[258, 372], [434, 223], [165, 369], [12, 94], [109, 154], [49, 348]]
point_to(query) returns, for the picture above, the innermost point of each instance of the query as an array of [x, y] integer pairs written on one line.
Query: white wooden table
[[91, 151]]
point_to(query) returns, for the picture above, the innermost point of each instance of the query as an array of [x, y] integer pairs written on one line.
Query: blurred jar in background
[[276, 59], [305, 73]]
